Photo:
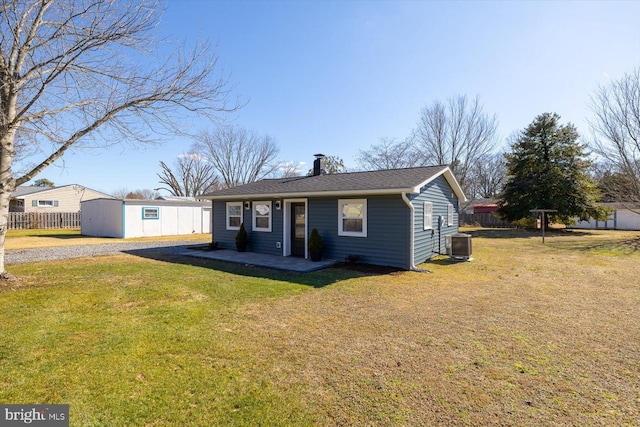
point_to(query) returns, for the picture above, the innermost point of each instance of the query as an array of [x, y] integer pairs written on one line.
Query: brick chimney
[[318, 164]]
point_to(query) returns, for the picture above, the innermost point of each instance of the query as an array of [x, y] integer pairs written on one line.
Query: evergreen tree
[[548, 169]]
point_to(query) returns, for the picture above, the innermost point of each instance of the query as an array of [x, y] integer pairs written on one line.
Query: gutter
[[412, 265]]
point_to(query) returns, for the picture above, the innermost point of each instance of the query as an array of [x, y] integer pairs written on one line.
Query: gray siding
[[429, 243], [259, 241], [387, 241]]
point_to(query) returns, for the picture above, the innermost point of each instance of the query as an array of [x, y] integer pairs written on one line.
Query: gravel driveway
[[20, 256]]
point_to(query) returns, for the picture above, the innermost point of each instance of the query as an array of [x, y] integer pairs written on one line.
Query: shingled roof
[[389, 181]]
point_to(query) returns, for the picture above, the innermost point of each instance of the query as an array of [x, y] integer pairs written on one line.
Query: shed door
[[298, 226]]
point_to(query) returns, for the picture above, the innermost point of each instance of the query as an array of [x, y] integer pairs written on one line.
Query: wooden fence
[[35, 220], [488, 220]]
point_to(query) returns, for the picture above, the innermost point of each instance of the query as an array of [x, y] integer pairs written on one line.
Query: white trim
[[150, 209], [451, 179], [286, 226], [427, 217], [45, 203], [253, 214], [341, 232], [226, 208]]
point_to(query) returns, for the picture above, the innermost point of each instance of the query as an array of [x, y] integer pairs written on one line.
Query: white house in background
[[621, 218], [66, 198], [143, 218]]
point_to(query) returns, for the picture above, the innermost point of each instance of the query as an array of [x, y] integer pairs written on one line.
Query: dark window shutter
[[55, 203], [34, 203]]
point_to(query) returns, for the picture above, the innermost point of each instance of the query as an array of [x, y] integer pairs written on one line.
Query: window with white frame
[[234, 215], [261, 216], [151, 213], [352, 217], [45, 203], [428, 215], [449, 214]]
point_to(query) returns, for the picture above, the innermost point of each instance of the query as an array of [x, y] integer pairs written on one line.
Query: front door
[[298, 222]]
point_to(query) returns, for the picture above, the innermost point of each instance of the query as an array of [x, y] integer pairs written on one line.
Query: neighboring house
[[143, 218], [620, 218], [479, 206], [396, 217], [66, 198]]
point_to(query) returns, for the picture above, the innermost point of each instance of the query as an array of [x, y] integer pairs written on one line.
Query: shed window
[[234, 215], [352, 217], [428, 215], [151, 213], [449, 214], [261, 216]]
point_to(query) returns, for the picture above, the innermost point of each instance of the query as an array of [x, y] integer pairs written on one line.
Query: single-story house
[[397, 217], [66, 198], [623, 216], [143, 218]]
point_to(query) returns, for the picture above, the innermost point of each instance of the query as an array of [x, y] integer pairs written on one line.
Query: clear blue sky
[[335, 76]]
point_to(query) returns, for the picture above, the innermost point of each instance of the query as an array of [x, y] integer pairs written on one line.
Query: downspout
[[412, 265]]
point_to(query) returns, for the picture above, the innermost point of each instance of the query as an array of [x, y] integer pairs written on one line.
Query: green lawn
[[523, 335]]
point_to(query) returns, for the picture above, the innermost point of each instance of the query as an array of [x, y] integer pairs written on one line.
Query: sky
[[334, 77]]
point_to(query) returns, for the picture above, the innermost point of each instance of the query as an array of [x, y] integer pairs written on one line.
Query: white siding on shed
[[103, 218], [620, 219]]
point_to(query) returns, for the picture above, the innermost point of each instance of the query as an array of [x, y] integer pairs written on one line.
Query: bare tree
[[78, 73], [120, 193], [290, 169], [616, 130], [457, 134], [389, 154], [139, 194], [191, 176], [487, 177], [238, 155]]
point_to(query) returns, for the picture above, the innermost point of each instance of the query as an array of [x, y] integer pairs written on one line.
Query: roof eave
[[299, 194], [451, 179]]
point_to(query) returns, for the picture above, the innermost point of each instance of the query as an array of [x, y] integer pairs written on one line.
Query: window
[[428, 215], [352, 217], [261, 216], [234, 215], [150, 213], [449, 214], [45, 203]]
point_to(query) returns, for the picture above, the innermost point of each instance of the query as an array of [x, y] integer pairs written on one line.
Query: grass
[[525, 334]]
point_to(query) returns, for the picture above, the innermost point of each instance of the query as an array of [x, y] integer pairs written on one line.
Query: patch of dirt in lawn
[[9, 281], [502, 340]]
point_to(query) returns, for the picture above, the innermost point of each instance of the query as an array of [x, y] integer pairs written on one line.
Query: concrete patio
[[298, 265]]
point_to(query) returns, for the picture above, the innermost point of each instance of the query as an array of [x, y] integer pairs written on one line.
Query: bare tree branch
[[389, 154], [191, 177], [74, 73], [616, 138], [240, 156], [457, 134]]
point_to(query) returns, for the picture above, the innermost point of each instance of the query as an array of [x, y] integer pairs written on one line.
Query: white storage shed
[[143, 218], [622, 217]]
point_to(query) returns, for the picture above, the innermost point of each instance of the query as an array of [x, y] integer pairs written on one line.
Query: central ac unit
[[461, 246]]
